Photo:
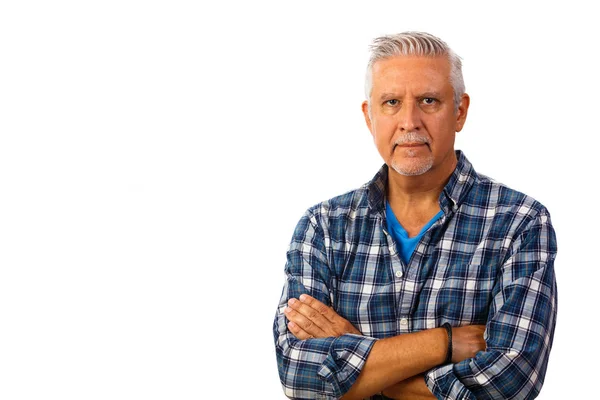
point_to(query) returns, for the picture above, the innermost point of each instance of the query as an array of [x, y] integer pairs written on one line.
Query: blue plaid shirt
[[488, 260]]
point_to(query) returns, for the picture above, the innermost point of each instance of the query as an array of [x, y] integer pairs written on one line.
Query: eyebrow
[[390, 95], [437, 95], [387, 95]]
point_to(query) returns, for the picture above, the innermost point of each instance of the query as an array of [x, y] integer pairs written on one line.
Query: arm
[[390, 360], [411, 388], [324, 367], [398, 358], [520, 326], [335, 364]]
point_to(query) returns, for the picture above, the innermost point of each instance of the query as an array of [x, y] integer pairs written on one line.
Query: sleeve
[[519, 330], [323, 368]]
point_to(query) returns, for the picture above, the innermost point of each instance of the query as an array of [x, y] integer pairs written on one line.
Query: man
[[430, 281]]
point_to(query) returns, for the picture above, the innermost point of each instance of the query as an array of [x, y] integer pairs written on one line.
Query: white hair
[[417, 44]]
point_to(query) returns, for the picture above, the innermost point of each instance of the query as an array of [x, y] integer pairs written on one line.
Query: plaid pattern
[[488, 260]]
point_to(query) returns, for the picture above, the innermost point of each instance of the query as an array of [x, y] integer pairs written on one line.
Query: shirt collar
[[376, 190], [458, 186], [454, 192]]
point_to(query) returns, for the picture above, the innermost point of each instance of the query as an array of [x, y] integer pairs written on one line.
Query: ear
[[461, 113], [365, 110]]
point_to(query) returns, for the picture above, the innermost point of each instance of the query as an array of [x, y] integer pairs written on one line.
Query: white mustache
[[411, 137]]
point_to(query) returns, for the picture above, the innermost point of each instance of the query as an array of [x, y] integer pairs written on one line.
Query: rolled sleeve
[[344, 361], [323, 368], [520, 327], [444, 384]]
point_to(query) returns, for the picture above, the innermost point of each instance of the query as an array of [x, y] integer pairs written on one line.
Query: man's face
[[412, 117]]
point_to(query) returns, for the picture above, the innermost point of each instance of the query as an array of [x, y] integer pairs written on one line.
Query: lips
[[409, 145]]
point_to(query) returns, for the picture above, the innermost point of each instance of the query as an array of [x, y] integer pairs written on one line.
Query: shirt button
[[398, 274], [404, 322]]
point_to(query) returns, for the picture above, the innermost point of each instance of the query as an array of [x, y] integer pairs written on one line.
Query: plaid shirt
[[488, 260]]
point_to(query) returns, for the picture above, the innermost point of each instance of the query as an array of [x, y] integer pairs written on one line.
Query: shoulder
[[334, 218], [509, 198], [509, 207], [350, 204]]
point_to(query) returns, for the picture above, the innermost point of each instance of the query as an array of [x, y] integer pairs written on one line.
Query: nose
[[409, 117]]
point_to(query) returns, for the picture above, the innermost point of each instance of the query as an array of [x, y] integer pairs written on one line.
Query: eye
[[429, 101], [392, 102]]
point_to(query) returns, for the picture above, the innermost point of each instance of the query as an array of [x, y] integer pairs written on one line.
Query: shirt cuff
[[344, 361], [445, 385]]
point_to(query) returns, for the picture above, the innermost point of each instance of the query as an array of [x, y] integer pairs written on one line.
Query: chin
[[412, 168]]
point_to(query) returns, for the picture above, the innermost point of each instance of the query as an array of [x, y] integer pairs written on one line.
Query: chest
[[448, 278]]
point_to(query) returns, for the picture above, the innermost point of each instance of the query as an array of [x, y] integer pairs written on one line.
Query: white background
[[155, 157]]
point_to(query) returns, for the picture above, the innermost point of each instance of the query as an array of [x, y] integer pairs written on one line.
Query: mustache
[[411, 137]]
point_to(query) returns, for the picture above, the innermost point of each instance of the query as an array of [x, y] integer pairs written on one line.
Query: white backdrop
[[155, 157]]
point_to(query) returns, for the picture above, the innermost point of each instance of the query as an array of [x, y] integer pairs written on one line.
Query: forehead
[[411, 73]]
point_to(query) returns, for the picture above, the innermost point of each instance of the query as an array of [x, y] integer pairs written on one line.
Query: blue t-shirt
[[405, 245]]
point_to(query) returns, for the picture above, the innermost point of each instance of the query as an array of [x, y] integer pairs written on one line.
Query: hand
[[467, 341], [309, 318], [411, 388]]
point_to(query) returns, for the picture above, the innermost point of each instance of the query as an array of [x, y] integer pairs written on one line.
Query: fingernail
[[287, 310], [292, 301], [302, 297]]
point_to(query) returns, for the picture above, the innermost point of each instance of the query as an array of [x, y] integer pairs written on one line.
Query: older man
[[430, 281]]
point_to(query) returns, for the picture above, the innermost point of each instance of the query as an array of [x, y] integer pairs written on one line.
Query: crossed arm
[[394, 365], [341, 362]]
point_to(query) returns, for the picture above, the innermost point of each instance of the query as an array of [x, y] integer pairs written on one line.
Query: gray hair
[[418, 44]]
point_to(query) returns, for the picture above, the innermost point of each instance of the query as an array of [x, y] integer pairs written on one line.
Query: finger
[[310, 314], [306, 324], [319, 307], [298, 332], [329, 321]]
